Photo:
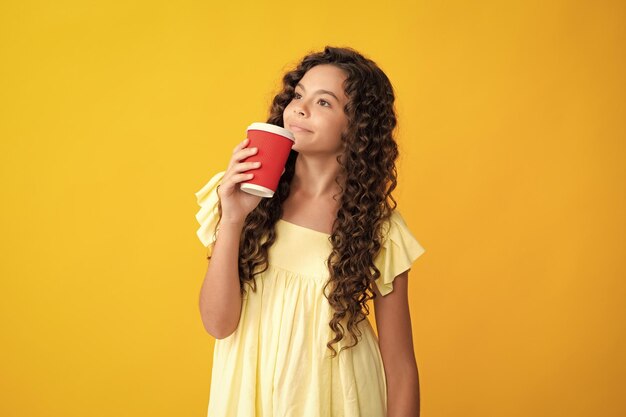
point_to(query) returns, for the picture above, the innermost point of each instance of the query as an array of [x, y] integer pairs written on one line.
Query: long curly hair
[[369, 176]]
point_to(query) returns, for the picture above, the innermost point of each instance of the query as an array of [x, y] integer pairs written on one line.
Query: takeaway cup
[[274, 144]]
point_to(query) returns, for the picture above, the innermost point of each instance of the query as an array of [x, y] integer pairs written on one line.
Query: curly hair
[[369, 176]]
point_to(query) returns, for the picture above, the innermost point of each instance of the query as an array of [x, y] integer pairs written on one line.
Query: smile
[[296, 128]]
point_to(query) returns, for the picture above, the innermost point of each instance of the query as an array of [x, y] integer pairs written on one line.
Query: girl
[[328, 241]]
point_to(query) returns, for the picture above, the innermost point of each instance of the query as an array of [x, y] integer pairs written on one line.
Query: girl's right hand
[[237, 204]]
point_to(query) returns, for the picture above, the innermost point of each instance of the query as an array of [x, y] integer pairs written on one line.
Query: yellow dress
[[277, 364]]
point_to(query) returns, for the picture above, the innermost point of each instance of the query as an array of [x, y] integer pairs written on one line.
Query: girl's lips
[[296, 128]]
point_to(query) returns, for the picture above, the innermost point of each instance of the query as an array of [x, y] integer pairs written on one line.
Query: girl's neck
[[314, 178]]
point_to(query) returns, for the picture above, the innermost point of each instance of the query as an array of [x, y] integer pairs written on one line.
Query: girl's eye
[[323, 102]]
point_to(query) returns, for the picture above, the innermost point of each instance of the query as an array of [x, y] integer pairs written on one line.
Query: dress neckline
[[304, 228]]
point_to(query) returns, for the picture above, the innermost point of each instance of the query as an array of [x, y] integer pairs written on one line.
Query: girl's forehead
[[324, 77], [326, 73]]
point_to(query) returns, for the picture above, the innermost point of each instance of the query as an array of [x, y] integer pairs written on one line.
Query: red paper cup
[[274, 144]]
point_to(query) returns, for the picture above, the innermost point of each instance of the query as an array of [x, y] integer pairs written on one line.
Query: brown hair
[[368, 166]]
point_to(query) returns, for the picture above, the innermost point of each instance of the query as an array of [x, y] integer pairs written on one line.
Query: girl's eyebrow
[[330, 93]]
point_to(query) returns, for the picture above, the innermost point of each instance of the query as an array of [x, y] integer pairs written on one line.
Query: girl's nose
[[300, 109]]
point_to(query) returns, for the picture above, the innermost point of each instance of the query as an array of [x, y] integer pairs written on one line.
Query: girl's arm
[[395, 338], [220, 297]]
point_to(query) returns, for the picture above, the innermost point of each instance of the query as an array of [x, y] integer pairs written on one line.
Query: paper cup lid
[[272, 128]]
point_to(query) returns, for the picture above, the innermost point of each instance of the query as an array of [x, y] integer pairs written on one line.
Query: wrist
[[226, 223]]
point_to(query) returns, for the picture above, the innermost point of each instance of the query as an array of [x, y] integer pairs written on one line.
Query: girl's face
[[315, 115]]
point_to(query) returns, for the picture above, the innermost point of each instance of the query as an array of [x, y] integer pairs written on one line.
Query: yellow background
[[512, 137]]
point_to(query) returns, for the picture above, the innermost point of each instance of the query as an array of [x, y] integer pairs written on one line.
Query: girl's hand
[[237, 204]]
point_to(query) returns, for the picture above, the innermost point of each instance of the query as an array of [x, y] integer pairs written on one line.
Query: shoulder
[[209, 187], [400, 248], [395, 224], [207, 215]]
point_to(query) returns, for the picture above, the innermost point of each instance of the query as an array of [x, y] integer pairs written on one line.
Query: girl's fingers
[[241, 167], [237, 167], [241, 145], [244, 166], [246, 152], [235, 178], [241, 153], [242, 177]]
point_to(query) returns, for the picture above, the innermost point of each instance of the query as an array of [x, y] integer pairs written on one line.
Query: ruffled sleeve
[[207, 216], [400, 249]]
